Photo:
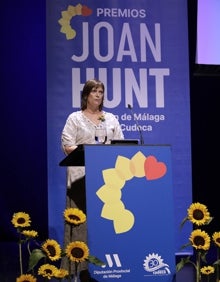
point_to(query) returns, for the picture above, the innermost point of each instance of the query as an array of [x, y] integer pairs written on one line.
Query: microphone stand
[[138, 126]]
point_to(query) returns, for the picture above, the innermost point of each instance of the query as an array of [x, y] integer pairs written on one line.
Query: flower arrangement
[[45, 256], [102, 118], [201, 241]]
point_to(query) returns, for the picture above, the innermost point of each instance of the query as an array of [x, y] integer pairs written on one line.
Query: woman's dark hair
[[89, 85]]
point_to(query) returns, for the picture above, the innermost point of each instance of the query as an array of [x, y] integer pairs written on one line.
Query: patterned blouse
[[79, 129]]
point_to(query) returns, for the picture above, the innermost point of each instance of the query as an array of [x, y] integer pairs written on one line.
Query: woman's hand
[[69, 149]]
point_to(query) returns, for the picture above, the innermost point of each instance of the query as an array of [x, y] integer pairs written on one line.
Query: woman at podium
[[90, 125]]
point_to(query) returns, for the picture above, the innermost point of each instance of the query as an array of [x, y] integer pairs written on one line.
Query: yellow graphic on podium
[[115, 178]]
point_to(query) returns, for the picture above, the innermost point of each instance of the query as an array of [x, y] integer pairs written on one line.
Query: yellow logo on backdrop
[[65, 21]]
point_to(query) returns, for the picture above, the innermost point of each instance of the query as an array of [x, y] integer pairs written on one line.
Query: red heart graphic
[[154, 169], [86, 11]]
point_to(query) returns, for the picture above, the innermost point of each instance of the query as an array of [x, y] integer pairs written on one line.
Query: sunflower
[[198, 214], [77, 251], [200, 239], [26, 278], [47, 270], [30, 233], [21, 219], [102, 118], [61, 273], [74, 216], [216, 238], [52, 249], [207, 270]]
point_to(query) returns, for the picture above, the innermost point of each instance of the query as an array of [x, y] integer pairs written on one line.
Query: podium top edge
[[126, 144]]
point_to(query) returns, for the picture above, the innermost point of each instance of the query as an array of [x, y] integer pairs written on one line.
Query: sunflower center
[[48, 271], [51, 250], [218, 240], [199, 241], [198, 214], [73, 217], [77, 252], [21, 220]]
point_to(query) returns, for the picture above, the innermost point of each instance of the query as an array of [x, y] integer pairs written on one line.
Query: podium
[[75, 158], [130, 213]]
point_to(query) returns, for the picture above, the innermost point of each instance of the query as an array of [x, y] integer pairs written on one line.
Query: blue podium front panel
[[130, 213]]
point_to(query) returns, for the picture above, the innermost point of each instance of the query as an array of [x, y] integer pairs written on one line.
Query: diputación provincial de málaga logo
[[154, 265], [67, 15]]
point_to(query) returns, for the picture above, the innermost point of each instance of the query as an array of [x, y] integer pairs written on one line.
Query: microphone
[[138, 126]]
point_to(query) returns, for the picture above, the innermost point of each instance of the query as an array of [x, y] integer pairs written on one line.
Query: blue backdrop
[[140, 52]]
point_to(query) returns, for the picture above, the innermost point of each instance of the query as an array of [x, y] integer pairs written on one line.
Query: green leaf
[[217, 262], [34, 258], [211, 218], [95, 260], [183, 222], [203, 256], [182, 263], [186, 245]]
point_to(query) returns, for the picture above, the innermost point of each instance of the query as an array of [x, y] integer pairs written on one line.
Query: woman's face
[[95, 97]]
